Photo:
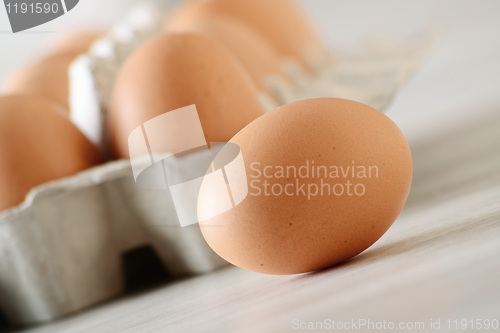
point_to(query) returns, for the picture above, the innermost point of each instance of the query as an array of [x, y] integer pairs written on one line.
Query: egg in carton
[[61, 249]]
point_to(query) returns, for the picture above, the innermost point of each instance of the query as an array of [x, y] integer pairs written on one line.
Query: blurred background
[[457, 83], [461, 76]]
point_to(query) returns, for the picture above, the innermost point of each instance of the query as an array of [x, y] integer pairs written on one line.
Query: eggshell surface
[[177, 70], [326, 178], [280, 22], [76, 42], [258, 57], [38, 143], [49, 76], [46, 78]]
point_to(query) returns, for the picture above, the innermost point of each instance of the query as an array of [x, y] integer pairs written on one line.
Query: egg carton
[[60, 250]]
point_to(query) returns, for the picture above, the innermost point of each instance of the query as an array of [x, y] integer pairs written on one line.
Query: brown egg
[[178, 70], [326, 179], [258, 57], [280, 22], [46, 78], [77, 42], [38, 143]]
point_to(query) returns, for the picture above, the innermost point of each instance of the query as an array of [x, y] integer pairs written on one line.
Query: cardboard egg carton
[[60, 250]]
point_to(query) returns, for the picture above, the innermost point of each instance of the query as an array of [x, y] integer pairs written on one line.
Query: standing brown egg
[[38, 143], [326, 178], [177, 70]]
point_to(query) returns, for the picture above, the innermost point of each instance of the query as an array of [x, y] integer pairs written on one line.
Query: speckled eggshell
[[177, 70], [281, 234]]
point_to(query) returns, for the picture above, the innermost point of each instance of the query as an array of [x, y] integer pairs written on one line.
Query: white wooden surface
[[439, 261]]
